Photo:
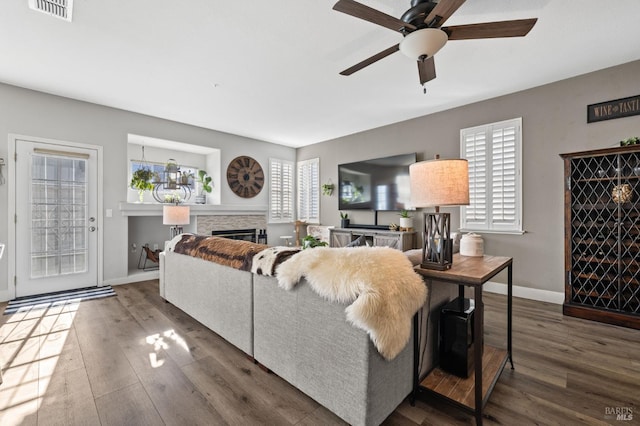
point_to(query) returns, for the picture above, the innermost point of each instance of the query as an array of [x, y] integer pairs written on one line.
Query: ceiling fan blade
[[442, 11], [369, 14], [426, 70], [515, 28], [371, 60]]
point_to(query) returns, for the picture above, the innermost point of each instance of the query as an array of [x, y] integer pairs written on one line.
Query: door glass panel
[[58, 216]]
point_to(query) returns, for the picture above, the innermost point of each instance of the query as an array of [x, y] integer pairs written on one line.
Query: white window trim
[[284, 213], [515, 228], [310, 194]]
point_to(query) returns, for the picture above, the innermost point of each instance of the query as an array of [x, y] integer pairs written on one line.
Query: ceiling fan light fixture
[[423, 43]]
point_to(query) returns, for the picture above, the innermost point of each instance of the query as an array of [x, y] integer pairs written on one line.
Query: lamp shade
[[425, 42], [175, 215], [439, 182]]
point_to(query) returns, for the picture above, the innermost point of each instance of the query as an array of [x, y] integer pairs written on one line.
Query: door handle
[[92, 228]]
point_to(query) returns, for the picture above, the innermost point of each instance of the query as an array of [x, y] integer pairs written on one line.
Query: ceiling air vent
[[59, 8]]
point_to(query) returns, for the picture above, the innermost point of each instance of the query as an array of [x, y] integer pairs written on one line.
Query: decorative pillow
[[360, 241], [415, 256]]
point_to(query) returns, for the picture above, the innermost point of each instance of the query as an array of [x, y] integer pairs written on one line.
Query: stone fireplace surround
[[206, 224]]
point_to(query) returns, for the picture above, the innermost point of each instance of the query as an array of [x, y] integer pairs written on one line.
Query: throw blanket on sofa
[[266, 262], [234, 253], [379, 282]]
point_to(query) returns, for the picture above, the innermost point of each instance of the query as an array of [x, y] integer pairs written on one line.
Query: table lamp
[[435, 183], [176, 216]]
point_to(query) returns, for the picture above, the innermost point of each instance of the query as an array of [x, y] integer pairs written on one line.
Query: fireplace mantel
[[155, 209]]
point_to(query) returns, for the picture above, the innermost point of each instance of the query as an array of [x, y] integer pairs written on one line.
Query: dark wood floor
[[135, 360]]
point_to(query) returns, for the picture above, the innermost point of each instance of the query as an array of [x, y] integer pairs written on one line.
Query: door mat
[[59, 298]]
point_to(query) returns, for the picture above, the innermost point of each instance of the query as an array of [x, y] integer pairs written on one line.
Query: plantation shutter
[[309, 190], [494, 155], [280, 191], [503, 203], [475, 151]]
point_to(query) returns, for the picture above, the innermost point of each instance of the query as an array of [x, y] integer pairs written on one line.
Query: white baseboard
[[556, 297], [5, 296], [134, 278]]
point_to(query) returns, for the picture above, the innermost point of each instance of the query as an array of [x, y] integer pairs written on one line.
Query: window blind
[[494, 155], [309, 190], [280, 191]]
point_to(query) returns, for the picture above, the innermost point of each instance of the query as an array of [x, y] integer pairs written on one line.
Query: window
[[280, 191], [158, 170], [494, 153], [309, 190]]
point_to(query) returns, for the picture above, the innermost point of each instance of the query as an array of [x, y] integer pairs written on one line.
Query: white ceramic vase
[[406, 222]]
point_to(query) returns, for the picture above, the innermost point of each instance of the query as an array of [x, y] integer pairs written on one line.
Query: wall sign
[[619, 108]]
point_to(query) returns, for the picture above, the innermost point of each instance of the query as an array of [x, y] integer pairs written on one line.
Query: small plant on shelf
[[205, 180], [344, 220], [406, 222], [203, 185], [631, 141], [141, 180], [310, 242], [172, 198]]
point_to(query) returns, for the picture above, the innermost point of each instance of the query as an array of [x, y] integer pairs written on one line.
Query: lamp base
[[175, 231], [435, 266], [437, 249]]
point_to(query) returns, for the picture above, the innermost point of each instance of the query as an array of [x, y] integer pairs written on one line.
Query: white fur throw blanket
[[379, 282]]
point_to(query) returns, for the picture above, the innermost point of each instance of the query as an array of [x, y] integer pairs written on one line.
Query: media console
[[401, 240]]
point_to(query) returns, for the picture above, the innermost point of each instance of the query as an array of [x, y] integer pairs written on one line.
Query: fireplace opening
[[249, 234]]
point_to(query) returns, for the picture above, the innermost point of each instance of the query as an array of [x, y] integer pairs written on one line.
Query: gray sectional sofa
[[298, 335]]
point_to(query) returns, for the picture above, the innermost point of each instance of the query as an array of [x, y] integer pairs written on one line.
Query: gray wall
[[32, 113], [554, 122]]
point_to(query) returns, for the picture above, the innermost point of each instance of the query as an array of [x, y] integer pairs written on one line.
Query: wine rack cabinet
[[602, 235]]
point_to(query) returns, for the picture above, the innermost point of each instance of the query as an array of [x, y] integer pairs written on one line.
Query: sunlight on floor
[[31, 342], [160, 342]]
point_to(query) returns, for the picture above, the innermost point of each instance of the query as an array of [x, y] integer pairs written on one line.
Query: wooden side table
[[470, 394]]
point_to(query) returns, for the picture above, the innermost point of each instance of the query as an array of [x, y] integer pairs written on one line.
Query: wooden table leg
[[509, 311], [478, 342], [416, 358]]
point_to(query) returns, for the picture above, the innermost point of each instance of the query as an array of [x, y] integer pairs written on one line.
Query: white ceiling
[[269, 69]]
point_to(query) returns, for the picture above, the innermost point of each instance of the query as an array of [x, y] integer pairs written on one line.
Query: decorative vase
[[406, 223], [472, 245], [201, 195], [344, 223], [622, 193]]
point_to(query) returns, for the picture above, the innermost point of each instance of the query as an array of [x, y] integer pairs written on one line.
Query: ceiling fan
[[423, 32]]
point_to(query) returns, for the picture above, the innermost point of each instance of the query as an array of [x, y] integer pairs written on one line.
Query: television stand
[[355, 226], [401, 240]]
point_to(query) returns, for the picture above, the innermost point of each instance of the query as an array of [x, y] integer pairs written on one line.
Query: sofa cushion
[[360, 241]]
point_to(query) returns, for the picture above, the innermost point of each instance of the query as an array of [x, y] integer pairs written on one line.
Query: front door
[[56, 229]]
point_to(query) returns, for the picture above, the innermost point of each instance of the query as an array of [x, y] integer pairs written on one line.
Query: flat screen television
[[378, 184]]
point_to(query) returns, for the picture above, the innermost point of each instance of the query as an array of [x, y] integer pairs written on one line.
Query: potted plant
[[344, 220], [185, 177], [406, 221], [631, 141], [203, 184], [327, 188], [141, 180], [310, 242]]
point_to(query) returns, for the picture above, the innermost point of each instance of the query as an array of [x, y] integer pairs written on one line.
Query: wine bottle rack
[[602, 235]]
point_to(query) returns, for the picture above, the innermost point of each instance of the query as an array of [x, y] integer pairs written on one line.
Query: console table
[[401, 240], [470, 394]]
